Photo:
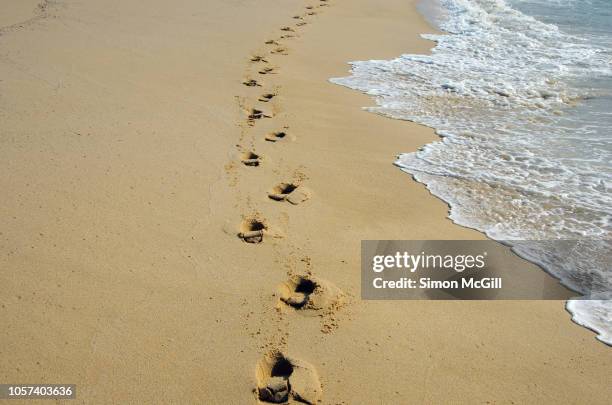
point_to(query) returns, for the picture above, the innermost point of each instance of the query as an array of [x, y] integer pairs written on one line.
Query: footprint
[[258, 58], [256, 114], [250, 159], [271, 42], [287, 29], [252, 230], [251, 83], [311, 13], [281, 50], [282, 191], [275, 136], [289, 192], [281, 378], [267, 97], [298, 292], [301, 23], [304, 292], [267, 71], [309, 7], [297, 17]]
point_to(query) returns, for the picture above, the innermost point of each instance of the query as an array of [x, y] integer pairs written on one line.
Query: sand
[[123, 130]]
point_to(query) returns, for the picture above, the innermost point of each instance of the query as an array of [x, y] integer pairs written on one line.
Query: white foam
[[513, 161], [593, 314]]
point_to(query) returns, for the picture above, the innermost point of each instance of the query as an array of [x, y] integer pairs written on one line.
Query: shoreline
[[460, 196], [122, 232]]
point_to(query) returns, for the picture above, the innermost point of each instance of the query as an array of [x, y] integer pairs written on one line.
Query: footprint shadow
[[252, 230], [291, 192], [251, 83], [281, 50], [266, 97], [257, 114], [267, 71], [250, 159], [276, 136], [281, 378], [306, 292]]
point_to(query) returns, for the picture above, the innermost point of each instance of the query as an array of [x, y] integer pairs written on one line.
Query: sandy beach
[[125, 129]]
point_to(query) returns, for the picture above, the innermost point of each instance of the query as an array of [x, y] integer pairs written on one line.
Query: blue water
[[520, 92]]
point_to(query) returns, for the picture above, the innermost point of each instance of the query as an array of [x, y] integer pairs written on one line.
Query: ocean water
[[520, 92]]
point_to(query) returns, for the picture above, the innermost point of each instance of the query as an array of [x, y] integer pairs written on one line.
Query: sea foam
[[525, 128]]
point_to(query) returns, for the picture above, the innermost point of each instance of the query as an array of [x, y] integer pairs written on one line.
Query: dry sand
[[123, 126]]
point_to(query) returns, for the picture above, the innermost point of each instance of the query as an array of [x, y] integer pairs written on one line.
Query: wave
[[525, 150]]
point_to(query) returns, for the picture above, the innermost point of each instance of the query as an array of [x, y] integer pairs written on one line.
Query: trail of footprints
[[280, 377]]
